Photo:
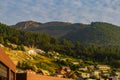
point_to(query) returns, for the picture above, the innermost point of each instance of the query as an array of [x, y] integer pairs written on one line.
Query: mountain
[[96, 33], [57, 29], [27, 25]]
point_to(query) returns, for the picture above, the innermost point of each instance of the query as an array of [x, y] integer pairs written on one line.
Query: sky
[[74, 11]]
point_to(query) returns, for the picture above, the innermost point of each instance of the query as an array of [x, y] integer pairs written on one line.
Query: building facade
[[7, 67]]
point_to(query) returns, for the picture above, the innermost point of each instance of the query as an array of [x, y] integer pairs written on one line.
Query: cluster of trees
[[106, 54]]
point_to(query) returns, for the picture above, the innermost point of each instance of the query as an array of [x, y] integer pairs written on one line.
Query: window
[[3, 72], [12, 75]]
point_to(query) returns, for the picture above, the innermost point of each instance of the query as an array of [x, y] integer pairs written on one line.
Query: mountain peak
[[27, 24]]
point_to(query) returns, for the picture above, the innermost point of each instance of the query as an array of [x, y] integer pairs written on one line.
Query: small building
[[75, 63], [31, 52], [103, 67], [85, 75], [91, 68], [44, 72], [7, 67], [60, 75], [31, 75], [1, 45], [39, 51], [63, 70], [96, 73], [114, 78], [117, 73], [83, 68], [66, 68]]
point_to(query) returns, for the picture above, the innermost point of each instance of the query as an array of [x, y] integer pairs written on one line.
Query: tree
[[1, 40]]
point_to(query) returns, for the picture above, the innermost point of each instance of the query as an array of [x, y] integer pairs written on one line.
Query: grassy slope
[[17, 55]]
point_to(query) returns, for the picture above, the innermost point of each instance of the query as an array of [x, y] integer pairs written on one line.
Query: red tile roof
[[29, 75], [6, 60], [43, 77]]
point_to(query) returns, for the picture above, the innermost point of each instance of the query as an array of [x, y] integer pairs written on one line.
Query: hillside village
[[55, 64], [59, 39]]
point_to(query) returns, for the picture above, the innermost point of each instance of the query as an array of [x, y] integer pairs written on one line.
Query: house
[[80, 60], [63, 59], [103, 67], [75, 63], [66, 68], [60, 75], [1, 45], [91, 68], [39, 51], [31, 52], [30, 72], [63, 70], [96, 73], [56, 58], [31, 75], [114, 78], [117, 73], [83, 68], [44, 72], [85, 75], [7, 67]]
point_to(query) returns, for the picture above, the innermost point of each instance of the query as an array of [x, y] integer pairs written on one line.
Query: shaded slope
[[97, 33], [57, 29]]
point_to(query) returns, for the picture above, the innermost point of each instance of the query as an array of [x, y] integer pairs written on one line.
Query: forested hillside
[[96, 33], [104, 54]]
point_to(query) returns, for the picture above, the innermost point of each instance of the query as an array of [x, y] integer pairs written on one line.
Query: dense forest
[[104, 54], [96, 33]]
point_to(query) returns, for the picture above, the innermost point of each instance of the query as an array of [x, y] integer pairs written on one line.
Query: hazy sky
[[82, 11]]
